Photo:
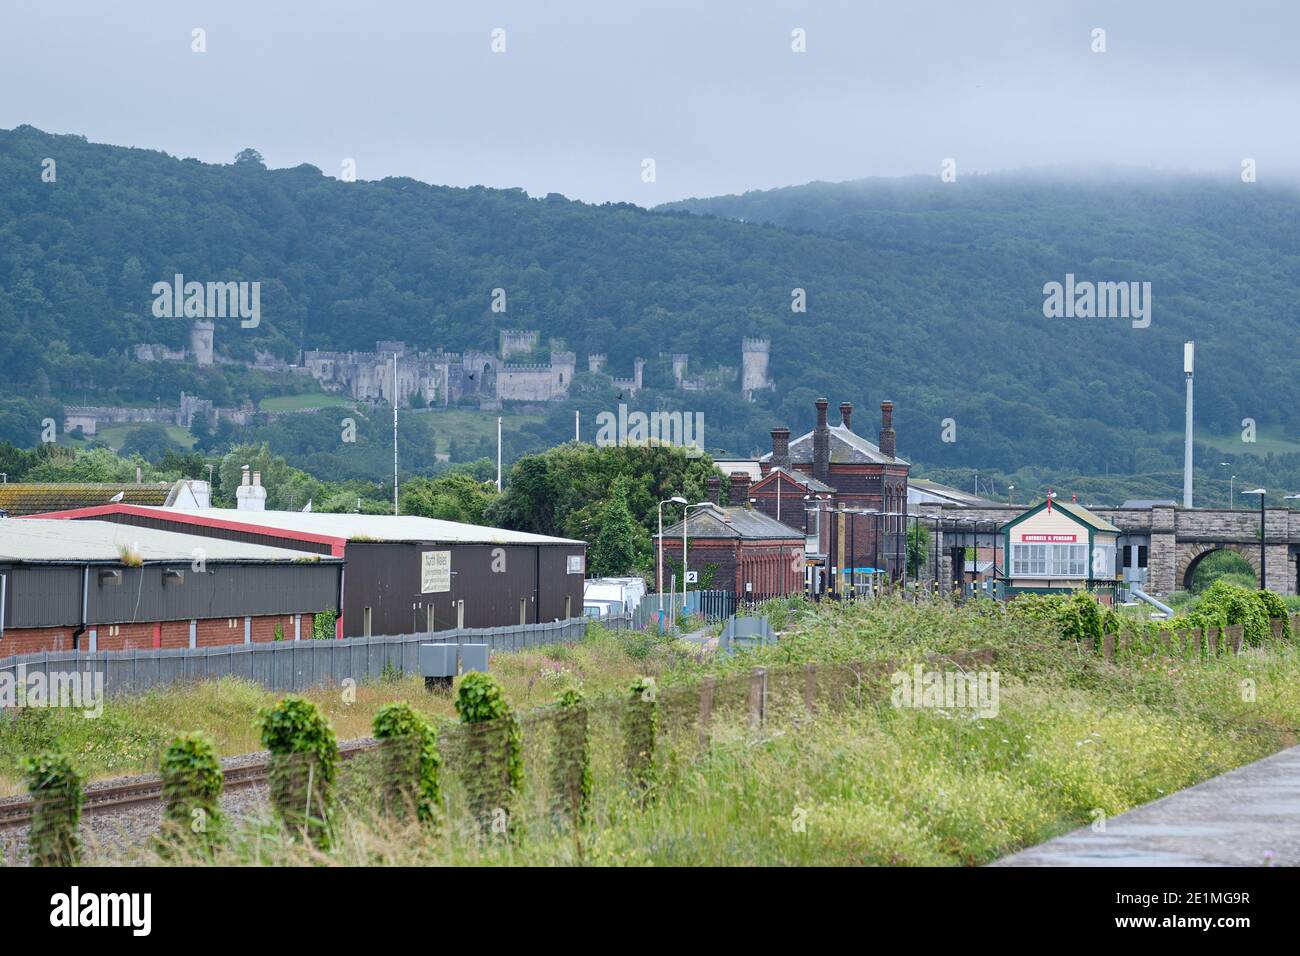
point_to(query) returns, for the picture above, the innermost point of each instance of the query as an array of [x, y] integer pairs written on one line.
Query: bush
[[1224, 604], [56, 793], [1075, 616], [411, 761], [304, 763], [493, 768], [571, 759], [1274, 606], [640, 727], [191, 786]]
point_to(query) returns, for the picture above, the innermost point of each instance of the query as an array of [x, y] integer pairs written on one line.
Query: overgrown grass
[[863, 783], [132, 732]]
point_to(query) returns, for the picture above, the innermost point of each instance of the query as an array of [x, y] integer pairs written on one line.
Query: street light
[[675, 499], [1261, 492], [686, 514], [1228, 464]]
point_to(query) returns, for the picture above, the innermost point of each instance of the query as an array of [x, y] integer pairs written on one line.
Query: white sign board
[[575, 564], [435, 571], [692, 577]]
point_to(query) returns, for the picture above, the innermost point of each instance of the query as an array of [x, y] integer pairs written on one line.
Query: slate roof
[[720, 521], [847, 447], [807, 480]]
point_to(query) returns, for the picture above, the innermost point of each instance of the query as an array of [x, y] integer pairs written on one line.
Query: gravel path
[[1246, 817]]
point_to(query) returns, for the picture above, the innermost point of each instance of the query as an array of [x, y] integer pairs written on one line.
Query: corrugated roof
[[51, 540], [947, 493], [718, 521], [30, 498], [361, 527]]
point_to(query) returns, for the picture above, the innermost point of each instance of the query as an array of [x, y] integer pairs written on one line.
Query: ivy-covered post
[[55, 788], [640, 727], [411, 762], [191, 787], [571, 759], [493, 767], [304, 763]]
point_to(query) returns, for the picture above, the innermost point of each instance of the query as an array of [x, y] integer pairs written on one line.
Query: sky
[[585, 92]]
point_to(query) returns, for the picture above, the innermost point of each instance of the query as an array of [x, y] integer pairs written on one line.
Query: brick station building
[[736, 547], [98, 586], [832, 485]]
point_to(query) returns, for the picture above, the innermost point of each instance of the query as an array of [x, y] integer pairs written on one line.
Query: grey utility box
[[440, 663]]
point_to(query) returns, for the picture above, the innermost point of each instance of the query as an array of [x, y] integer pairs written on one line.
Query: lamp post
[[1262, 575], [686, 513], [675, 499]]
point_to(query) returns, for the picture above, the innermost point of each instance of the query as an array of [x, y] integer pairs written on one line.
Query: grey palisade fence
[[283, 665]]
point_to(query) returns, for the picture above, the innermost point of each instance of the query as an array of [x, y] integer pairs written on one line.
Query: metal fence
[[714, 605], [281, 665]]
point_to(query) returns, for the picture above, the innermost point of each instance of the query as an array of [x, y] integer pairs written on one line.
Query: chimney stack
[[822, 444], [250, 495], [887, 428], [781, 447], [846, 414], [714, 485], [739, 494]]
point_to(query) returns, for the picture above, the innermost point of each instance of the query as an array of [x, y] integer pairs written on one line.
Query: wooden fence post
[[706, 709], [810, 689], [1108, 647], [1239, 632], [1212, 640], [757, 697]]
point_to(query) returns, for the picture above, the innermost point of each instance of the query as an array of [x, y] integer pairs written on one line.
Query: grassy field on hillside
[[300, 403]]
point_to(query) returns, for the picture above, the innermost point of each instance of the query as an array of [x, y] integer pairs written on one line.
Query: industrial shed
[[96, 585], [403, 573]]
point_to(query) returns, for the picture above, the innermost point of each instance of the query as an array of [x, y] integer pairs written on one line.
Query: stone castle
[[443, 378]]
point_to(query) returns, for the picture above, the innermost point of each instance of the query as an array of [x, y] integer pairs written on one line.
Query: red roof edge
[[336, 543]]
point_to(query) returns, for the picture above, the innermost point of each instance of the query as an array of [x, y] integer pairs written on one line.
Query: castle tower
[[596, 362], [679, 369], [201, 333], [753, 366], [517, 342], [563, 365], [639, 372]]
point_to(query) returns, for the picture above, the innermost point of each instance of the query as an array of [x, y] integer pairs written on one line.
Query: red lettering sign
[[1048, 538]]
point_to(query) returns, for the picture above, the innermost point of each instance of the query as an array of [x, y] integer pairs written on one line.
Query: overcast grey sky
[[710, 90]]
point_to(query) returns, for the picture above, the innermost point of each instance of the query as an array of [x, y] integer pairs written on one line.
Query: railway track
[[146, 789]]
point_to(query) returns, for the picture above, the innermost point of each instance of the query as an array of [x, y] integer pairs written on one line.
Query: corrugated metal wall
[[497, 584], [51, 596]]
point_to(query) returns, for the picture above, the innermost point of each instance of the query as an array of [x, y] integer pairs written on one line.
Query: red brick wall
[[139, 636]]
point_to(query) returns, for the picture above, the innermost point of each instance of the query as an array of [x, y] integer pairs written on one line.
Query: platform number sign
[[692, 577]]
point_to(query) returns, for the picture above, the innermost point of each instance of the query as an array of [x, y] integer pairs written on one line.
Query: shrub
[[1274, 606], [571, 759], [1080, 619], [640, 726], [493, 767], [191, 786], [304, 763], [57, 796], [411, 762], [1224, 604]]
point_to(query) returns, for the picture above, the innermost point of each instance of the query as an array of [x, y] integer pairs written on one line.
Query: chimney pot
[[780, 447], [714, 485], [887, 436], [739, 488], [822, 444], [846, 414]]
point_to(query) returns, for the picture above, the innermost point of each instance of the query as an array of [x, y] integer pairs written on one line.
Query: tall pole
[[577, 425], [394, 433], [659, 578], [1263, 576], [498, 453], [1189, 359]]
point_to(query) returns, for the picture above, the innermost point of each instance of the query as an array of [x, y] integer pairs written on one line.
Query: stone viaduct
[[1173, 539]]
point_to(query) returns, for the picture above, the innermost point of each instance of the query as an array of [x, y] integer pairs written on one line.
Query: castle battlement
[[756, 345]]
